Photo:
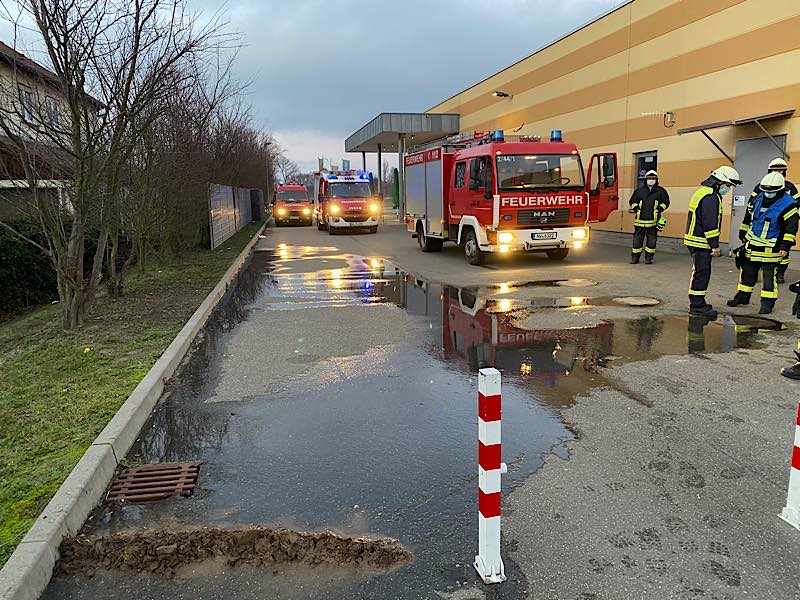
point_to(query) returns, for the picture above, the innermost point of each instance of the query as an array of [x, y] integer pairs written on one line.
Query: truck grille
[[543, 216], [355, 218]]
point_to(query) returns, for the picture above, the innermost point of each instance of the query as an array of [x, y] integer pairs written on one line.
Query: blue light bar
[[498, 135], [555, 136]]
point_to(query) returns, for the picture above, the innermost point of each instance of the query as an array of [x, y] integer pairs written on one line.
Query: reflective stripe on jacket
[[649, 204], [704, 219]]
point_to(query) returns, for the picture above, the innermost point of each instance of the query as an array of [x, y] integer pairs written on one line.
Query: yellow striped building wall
[[705, 61]]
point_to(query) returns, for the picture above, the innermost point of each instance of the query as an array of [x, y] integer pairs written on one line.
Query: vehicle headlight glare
[[579, 234], [281, 211], [505, 237], [306, 211], [373, 208], [335, 210]]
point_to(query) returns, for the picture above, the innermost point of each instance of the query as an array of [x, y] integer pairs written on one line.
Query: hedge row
[[26, 274]]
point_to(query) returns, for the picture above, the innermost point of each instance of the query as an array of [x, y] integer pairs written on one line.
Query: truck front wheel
[[472, 251], [558, 254]]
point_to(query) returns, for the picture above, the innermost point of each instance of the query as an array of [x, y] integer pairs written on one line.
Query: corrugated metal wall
[[230, 209]]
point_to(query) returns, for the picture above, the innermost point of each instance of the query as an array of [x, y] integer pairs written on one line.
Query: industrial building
[[681, 86]]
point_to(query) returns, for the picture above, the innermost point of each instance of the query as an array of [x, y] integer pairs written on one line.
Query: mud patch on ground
[[164, 553]]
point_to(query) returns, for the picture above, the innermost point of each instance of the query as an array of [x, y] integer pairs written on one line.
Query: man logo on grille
[[543, 220]]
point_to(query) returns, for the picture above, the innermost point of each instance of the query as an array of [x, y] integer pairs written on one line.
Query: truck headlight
[[579, 234], [306, 211], [281, 211], [335, 210], [505, 237], [374, 208]]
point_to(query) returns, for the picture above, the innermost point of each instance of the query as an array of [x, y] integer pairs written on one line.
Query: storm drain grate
[[147, 483]]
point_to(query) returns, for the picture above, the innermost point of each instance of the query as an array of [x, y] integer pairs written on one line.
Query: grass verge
[[59, 389]]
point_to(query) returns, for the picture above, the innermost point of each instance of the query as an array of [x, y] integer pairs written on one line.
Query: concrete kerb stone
[[28, 570]]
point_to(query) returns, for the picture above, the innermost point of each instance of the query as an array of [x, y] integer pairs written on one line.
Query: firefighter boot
[[767, 304], [792, 372], [740, 299], [635, 258], [648, 258], [704, 310]]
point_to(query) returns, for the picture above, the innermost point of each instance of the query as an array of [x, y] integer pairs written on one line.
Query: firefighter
[[793, 372], [702, 234], [779, 166], [769, 231], [648, 202]]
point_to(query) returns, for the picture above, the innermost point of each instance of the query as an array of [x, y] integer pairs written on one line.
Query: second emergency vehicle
[[345, 201]]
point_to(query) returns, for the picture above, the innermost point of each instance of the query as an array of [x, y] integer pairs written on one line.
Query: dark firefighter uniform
[[769, 226], [649, 203], [791, 189], [702, 235]]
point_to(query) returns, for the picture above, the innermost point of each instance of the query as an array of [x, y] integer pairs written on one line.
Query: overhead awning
[[385, 131], [746, 121]]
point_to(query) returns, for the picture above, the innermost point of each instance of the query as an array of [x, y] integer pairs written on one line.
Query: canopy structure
[[747, 121], [393, 132]]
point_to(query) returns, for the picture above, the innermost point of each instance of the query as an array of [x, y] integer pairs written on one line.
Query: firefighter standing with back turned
[[779, 166], [702, 234], [648, 202], [769, 231]]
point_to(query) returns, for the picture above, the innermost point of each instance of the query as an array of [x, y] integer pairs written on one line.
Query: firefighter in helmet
[[779, 166], [702, 234], [648, 202], [769, 231]]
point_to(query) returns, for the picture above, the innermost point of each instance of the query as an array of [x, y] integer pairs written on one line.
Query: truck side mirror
[[488, 184]]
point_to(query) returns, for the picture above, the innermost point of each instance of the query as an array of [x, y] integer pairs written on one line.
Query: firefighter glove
[[662, 222]]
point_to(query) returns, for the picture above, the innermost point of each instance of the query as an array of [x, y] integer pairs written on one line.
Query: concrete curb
[[28, 571]]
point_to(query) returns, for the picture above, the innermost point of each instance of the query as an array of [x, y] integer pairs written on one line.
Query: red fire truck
[[491, 194], [291, 204], [345, 201]]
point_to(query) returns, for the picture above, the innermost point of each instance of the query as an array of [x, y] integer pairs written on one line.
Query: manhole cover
[[147, 483], [637, 301]]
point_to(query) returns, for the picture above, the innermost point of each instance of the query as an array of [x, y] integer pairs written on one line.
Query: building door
[[645, 161], [752, 158]]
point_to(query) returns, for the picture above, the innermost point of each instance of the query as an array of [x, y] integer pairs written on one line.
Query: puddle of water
[[386, 447]]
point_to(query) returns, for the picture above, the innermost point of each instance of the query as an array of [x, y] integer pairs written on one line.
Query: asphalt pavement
[[648, 452]]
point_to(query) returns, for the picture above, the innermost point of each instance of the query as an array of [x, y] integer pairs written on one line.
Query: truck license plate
[[546, 235]]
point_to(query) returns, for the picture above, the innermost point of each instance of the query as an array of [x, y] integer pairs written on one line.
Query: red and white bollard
[[488, 562], [791, 512]]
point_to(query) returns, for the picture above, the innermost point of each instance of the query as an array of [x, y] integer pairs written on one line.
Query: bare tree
[[116, 65], [286, 169]]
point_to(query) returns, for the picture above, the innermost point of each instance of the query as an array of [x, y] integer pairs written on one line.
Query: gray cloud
[[331, 66]]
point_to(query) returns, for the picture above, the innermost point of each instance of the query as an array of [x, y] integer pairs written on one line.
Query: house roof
[[17, 60]]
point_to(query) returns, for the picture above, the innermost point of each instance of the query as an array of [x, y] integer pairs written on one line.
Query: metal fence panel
[[230, 209]]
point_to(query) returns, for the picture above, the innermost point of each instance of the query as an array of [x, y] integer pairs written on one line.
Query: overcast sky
[[322, 69]]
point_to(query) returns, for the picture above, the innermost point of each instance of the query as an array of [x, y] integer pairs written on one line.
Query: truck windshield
[[293, 196], [539, 172], [353, 189]]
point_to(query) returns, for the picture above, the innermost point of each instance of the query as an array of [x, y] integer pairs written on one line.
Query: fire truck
[[492, 194], [291, 204], [345, 201]]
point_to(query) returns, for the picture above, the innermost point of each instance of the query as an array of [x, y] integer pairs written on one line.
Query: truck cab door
[[602, 183], [481, 185]]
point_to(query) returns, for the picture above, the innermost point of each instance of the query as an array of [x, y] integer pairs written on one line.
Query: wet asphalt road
[[335, 389]]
